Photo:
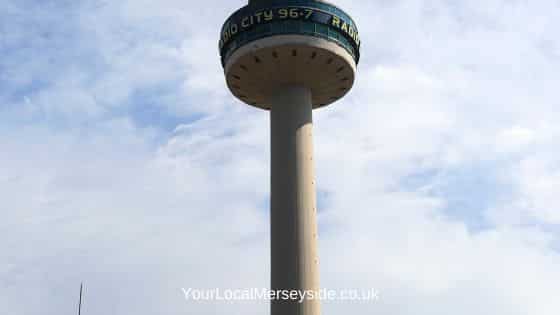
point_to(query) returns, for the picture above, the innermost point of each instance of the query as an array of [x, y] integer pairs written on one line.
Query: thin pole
[[80, 304]]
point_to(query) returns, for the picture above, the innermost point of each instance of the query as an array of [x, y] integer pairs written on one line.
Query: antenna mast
[[80, 303]]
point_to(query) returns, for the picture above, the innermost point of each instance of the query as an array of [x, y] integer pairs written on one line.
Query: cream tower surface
[[290, 57]]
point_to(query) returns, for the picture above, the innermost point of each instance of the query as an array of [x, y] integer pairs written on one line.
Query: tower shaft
[[294, 256]]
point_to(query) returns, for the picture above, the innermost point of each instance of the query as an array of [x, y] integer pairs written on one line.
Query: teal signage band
[[307, 17]]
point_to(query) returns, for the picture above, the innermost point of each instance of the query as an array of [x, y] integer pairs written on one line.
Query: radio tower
[[290, 57]]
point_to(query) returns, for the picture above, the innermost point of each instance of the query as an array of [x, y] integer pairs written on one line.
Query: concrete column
[[293, 214]]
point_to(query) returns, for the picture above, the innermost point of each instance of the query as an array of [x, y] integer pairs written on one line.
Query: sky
[[126, 164]]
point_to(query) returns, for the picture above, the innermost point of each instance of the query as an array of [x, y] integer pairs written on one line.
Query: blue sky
[[126, 163]]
